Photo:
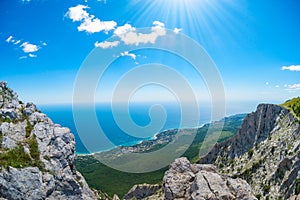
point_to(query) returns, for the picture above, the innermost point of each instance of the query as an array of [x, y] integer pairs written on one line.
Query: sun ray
[[202, 20]]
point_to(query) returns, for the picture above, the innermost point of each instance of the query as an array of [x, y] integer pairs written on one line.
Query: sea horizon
[[63, 114]]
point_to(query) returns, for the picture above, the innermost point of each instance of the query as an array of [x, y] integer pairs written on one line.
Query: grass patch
[[15, 157], [294, 106], [18, 158]]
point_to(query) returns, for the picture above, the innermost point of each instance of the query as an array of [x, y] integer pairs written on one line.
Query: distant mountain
[[36, 155]]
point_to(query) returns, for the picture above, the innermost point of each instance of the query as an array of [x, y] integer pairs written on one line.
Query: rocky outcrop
[[143, 191], [44, 166], [265, 152], [194, 181]]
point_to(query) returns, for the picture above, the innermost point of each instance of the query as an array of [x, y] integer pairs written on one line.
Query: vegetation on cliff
[[294, 106]]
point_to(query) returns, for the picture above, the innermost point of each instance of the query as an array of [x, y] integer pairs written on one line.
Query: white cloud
[[124, 29], [177, 30], [277, 86], [128, 34], [29, 48], [293, 87], [126, 53], [105, 44], [291, 68], [22, 57], [9, 39], [131, 37], [26, 47], [267, 83], [17, 42], [32, 55], [77, 13], [89, 23], [157, 23]]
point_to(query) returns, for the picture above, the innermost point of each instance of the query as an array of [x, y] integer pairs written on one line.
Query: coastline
[[163, 135], [133, 144]]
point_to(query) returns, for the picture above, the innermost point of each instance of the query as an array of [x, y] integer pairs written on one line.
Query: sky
[[253, 43]]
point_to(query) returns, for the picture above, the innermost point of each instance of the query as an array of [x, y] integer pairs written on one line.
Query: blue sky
[[255, 44]]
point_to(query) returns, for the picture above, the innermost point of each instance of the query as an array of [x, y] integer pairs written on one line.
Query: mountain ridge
[[265, 152]]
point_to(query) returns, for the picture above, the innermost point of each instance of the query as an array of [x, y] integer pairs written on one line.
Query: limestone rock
[[142, 191], [115, 197], [58, 178], [193, 181]]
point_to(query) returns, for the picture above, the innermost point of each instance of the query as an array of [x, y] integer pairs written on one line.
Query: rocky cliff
[[265, 152], [194, 181], [36, 155]]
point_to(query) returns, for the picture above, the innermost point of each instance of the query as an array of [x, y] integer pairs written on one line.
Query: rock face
[[265, 152], [143, 191], [203, 182], [48, 147]]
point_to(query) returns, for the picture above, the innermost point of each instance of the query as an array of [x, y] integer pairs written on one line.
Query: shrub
[[34, 148], [18, 158], [28, 128], [15, 157], [250, 153], [297, 186], [266, 188]]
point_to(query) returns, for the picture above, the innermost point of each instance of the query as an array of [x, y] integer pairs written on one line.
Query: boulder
[[194, 181]]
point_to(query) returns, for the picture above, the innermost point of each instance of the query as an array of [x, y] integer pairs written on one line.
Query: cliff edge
[[36, 155]]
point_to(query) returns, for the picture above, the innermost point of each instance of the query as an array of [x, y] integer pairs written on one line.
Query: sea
[[63, 114]]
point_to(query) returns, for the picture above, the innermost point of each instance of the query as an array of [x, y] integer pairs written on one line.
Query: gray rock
[[56, 144], [142, 191], [21, 183], [115, 197], [204, 183], [9, 113], [12, 134], [30, 108]]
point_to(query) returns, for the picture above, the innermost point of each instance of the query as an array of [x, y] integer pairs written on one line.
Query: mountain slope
[[265, 152], [36, 155]]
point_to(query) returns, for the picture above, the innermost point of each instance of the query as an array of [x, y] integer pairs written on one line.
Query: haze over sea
[[62, 114]]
